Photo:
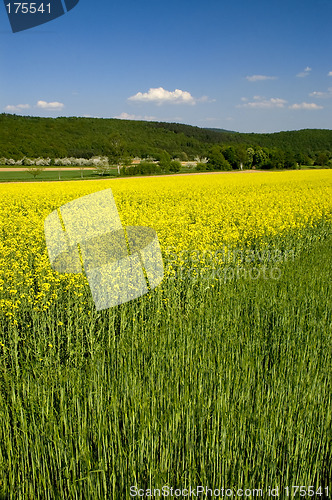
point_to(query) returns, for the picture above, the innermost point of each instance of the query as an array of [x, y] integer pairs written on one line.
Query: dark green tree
[[118, 155], [289, 162], [217, 161], [322, 158], [164, 159], [175, 166]]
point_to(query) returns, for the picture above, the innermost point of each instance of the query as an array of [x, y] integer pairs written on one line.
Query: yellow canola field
[[196, 213]]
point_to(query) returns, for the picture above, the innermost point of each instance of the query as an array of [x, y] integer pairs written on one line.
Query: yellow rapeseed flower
[[192, 215]]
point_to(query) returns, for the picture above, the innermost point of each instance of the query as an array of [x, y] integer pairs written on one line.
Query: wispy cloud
[[205, 98], [50, 105], [304, 73], [17, 107], [306, 105], [322, 95], [128, 116], [257, 78], [160, 96], [263, 103], [210, 119], [329, 73]]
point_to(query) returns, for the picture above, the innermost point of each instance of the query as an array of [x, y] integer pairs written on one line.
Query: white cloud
[[323, 95], [40, 104], [263, 103], [306, 105], [50, 105], [256, 78], [304, 73], [329, 73], [160, 96], [17, 107]]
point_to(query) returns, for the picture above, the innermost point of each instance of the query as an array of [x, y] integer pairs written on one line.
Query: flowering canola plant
[[189, 213]]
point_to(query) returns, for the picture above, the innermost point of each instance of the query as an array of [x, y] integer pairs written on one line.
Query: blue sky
[[248, 66]]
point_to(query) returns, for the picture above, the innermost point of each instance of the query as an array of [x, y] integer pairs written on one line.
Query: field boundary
[[105, 178]]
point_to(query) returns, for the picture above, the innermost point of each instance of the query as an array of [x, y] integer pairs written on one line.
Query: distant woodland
[[32, 137]]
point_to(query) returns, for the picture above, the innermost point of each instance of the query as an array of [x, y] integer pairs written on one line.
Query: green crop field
[[66, 175]]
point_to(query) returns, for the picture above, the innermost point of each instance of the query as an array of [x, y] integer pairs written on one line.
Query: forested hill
[[86, 137]]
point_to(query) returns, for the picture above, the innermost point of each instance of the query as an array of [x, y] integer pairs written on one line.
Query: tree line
[[25, 137]]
